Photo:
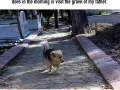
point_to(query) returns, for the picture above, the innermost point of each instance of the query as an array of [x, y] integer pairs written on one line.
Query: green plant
[[90, 13], [100, 13]]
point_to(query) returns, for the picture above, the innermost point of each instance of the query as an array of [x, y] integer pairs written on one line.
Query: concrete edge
[[6, 57], [109, 69]]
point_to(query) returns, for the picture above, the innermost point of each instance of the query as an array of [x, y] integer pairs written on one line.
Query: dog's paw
[[45, 71], [57, 72]]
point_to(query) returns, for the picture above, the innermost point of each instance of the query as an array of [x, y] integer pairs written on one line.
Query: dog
[[53, 58]]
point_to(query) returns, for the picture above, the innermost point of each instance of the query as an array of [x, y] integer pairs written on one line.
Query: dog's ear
[[53, 54]]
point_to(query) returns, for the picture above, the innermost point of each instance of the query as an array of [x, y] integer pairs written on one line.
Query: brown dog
[[52, 57]]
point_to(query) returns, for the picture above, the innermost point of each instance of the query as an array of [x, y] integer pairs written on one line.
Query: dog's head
[[56, 57]]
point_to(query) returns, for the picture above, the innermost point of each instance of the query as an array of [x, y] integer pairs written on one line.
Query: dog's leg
[[57, 69], [49, 68]]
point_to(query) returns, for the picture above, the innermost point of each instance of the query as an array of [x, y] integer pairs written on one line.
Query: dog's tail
[[45, 45]]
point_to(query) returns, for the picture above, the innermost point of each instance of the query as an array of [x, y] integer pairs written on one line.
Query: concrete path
[[27, 70]]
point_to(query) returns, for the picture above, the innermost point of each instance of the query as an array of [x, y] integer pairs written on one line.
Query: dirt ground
[[107, 38]]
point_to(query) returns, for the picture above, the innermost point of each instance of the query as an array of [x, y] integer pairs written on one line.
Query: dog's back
[[46, 54]]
